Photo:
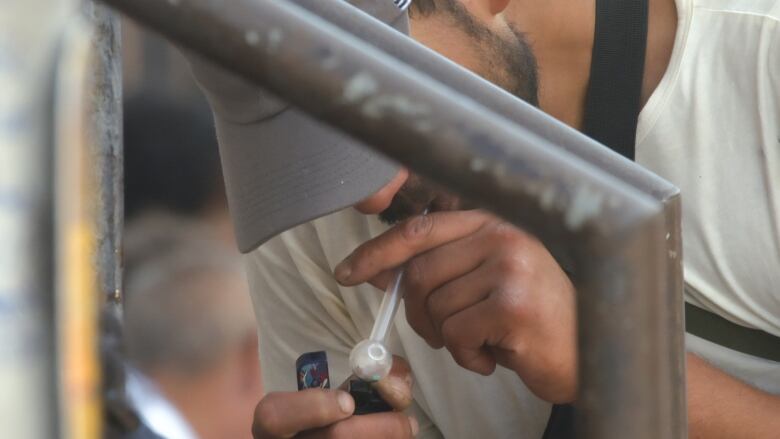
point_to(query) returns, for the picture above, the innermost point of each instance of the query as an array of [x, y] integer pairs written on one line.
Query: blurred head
[[190, 328], [474, 34]]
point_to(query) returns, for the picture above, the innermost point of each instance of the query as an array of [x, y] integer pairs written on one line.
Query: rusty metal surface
[[675, 318], [88, 215], [612, 232], [106, 146], [485, 93], [502, 103], [76, 290]]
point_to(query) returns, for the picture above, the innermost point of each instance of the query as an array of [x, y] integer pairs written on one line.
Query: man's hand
[[318, 413], [488, 292]]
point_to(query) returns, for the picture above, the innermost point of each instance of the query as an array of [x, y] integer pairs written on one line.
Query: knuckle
[[508, 236], [510, 265], [504, 231], [417, 228], [511, 301]]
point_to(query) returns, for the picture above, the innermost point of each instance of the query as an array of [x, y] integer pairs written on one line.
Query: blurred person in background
[[190, 335], [172, 169], [190, 338]]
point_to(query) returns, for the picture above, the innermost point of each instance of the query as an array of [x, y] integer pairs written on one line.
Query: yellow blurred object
[[78, 300]]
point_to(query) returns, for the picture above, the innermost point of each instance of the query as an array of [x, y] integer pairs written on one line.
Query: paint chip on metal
[[360, 87], [585, 205], [252, 38], [275, 37]]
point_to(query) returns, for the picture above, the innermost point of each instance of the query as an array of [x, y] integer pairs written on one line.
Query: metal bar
[[105, 151], [612, 232], [427, 61], [498, 100], [674, 326], [106, 146], [88, 213]]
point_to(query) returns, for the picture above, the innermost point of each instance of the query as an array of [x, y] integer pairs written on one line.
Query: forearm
[[720, 406]]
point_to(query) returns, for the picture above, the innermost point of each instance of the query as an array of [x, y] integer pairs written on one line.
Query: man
[[190, 335], [476, 282]]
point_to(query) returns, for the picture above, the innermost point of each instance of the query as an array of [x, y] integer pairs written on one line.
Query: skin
[[218, 400], [492, 294], [290, 414], [561, 32], [491, 305], [323, 414]]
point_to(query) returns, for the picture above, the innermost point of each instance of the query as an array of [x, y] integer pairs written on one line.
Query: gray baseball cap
[[281, 167]]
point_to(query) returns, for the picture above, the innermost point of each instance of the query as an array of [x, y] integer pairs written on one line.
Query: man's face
[[481, 42]]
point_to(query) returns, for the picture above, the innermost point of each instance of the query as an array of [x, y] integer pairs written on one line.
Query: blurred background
[[189, 329], [124, 311]]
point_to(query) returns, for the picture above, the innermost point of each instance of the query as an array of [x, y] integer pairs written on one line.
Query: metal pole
[[427, 61], [88, 216], [674, 326], [106, 147], [106, 153], [612, 232]]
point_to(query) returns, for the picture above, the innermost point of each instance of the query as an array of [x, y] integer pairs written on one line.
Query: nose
[[381, 199]]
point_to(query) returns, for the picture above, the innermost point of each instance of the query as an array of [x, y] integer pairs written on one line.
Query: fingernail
[[415, 425], [346, 403], [343, 270]]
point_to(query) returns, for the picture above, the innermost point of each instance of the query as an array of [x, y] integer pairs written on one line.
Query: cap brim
[[288, 169], [293, 171]]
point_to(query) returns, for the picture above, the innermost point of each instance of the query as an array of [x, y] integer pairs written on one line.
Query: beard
[[512, 66]]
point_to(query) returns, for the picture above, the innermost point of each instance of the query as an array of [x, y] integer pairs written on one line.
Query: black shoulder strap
[[617, 68], [612, 107]]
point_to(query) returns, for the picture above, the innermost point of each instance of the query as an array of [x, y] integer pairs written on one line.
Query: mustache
[[416, 196]]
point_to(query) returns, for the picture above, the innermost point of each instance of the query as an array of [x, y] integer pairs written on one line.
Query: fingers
[[430, 271], [379, 426], [469, 333], [284, 414], [396, 388], [408, 239], [452, 298]]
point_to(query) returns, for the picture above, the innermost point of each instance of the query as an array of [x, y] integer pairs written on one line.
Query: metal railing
[[615, 225], [88, 216], [60, 212]]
